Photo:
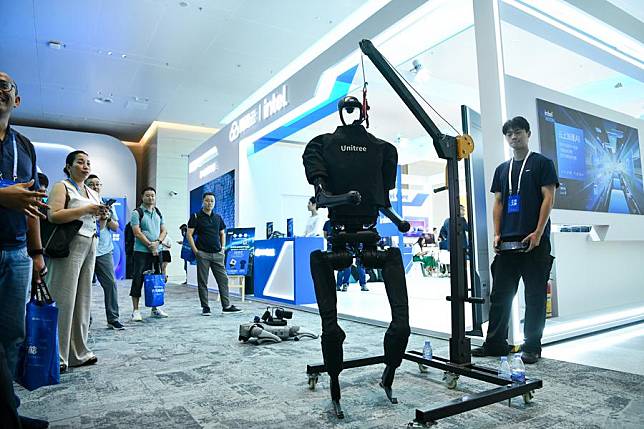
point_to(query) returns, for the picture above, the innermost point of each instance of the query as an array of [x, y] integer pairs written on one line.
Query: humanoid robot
[[352, 172]]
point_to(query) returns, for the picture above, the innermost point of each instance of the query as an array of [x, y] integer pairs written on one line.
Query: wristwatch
[[34, 252]]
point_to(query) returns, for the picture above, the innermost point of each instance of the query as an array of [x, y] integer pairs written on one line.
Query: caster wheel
[[528, 397], [313, 380], [423, 368], [451, 380]]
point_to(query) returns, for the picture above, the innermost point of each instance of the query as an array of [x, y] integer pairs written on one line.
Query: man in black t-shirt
[[210, 230], [524, 189]]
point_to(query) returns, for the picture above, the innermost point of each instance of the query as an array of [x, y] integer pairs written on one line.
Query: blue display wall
[[224, 189]]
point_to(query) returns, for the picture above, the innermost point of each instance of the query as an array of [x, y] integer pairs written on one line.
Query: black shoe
[[91, 361], [345, 287], [484, 351], [530, 357], [63, 368], [115, 325], [364, 288], [28, 423], [205, 311], [231, 309]]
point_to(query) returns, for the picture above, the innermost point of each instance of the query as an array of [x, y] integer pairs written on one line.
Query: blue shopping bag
[[154, 285], [186, 252], [39, 361]]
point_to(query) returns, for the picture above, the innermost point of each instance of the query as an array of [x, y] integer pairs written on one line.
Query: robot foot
[[386, 381], [337, 409]]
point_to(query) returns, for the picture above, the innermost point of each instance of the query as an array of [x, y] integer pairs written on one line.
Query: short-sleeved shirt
[[13, 234], [105, 244], [538, 171], [207, 229], [150, 227]]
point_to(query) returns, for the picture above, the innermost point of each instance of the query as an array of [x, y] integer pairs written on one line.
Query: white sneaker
[[136, 316], [157, 312]]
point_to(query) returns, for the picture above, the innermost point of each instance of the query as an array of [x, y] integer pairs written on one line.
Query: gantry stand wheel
[[528, 397], [423, 368], [313, 380], [450, 379]]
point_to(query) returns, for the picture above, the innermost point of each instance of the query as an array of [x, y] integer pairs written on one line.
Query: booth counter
[[282, 269]]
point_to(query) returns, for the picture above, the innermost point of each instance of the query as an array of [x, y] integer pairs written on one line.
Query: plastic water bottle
[[504, 369], [427, 350], [518, 369]]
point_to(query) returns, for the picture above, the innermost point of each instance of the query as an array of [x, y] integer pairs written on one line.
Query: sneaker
[[338, 288], [115, 325], [136, 316], [345, 287], [205, 311], [364, 288], [157, 312], [484, 351], [231, 309], [530, 357]]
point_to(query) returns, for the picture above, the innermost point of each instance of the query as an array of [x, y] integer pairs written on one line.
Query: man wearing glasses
[[104, 267], [21, 253]]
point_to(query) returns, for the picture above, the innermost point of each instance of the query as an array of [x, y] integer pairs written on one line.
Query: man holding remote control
[[524, 192]]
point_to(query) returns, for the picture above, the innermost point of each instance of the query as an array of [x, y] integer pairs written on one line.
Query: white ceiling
[[194, 64], [155, 59]]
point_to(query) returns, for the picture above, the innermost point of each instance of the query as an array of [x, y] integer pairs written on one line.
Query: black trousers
[[507, 268], [397, 335], [141, 261]]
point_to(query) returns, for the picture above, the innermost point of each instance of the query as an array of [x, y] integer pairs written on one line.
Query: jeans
[[345, 275], [15, 273], [104, 270]]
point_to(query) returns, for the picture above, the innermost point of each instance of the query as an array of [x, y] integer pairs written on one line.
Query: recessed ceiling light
[[55, 44], [124, 56], [109, 52], [102, 100]]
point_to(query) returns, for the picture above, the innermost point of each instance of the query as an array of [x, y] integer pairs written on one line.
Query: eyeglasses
[[6, 85]]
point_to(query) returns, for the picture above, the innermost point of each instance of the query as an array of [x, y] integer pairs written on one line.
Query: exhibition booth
[[574, 92]]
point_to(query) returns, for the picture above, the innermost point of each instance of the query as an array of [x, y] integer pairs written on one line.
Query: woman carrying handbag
[[70, 278]]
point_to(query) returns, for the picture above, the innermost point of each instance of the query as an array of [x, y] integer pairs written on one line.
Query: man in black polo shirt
[[209, 228], [21, 254], [522, 208]]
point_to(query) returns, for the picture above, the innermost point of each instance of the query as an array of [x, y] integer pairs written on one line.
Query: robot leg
[[397, 335], [332, 335]]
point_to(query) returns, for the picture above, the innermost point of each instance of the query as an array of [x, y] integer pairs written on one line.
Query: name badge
[[514, 203], [4, 183]]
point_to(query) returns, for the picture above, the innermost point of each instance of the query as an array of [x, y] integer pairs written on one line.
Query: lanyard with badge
[[5, 182], [514, 200]]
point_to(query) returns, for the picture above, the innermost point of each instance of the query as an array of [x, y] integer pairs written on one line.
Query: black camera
[[275, 316]]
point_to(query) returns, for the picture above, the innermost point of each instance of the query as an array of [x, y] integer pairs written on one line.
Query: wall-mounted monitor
[[598, 160]]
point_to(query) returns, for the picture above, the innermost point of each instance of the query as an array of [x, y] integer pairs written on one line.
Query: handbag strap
[[40, 292]]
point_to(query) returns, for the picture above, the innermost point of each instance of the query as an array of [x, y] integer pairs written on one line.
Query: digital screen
[[289, 227], [598, 160], [269, 229], [223, 187]]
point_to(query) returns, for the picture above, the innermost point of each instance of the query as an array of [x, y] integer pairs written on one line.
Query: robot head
[[349, 103]]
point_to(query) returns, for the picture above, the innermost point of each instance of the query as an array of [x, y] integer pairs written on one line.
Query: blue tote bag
[[154, 285], [186, 251], [39, 361]]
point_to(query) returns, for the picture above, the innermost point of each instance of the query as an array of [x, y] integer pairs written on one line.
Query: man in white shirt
[[315, 223]]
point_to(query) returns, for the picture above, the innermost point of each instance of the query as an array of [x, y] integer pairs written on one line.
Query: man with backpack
[[149, 231]]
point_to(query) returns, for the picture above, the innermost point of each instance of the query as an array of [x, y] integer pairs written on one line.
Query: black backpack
[[129, 239]]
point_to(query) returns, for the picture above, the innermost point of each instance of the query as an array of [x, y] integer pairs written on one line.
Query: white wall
[[111, 160], [272, 188], [167, 160], [523, 102]]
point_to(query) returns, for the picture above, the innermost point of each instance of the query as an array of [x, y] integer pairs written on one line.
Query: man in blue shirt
[[104, 268], [524, 192], [21, 253], [149, 231]]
